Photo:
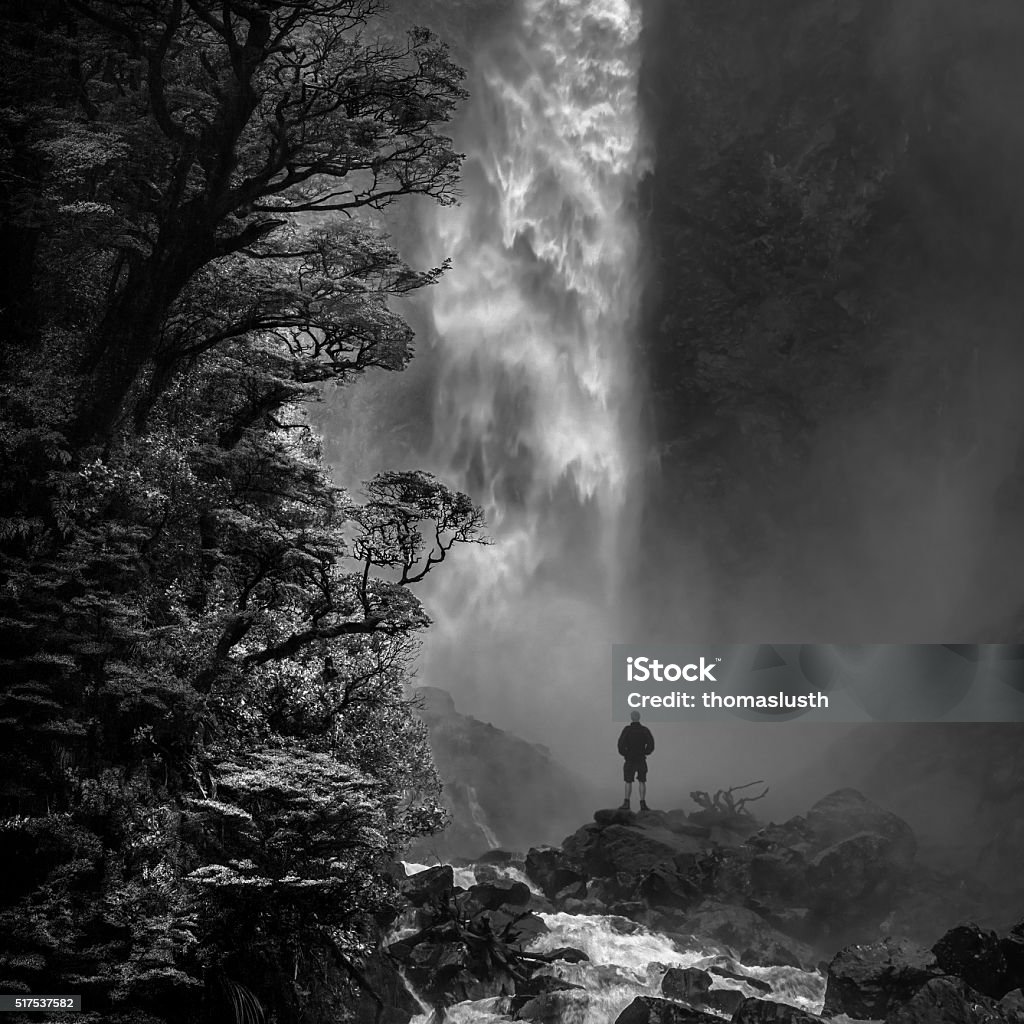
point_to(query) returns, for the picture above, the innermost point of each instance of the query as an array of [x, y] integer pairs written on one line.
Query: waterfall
[[480, 820], [532, 336]]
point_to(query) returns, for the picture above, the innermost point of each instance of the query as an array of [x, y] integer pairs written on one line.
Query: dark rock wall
[[833, 319]]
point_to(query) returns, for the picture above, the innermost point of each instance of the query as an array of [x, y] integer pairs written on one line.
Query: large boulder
[[867, 981], [977, 956], [853, 879], [551, 869], [540, 998], [499, 893], [435, 885], [663, 887], [1012, 1005], [650, 1010], [750, 937], [846, 813], [724, 1000], [635, 849], [1012, 947], [947, 1001], [764, 1011], [686, 983]]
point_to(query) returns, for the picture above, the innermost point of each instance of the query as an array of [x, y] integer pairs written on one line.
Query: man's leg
[[643, 792], [641, 777], [627, 777]]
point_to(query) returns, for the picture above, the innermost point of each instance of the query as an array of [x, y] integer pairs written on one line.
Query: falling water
[[480, 819], [532, 333]]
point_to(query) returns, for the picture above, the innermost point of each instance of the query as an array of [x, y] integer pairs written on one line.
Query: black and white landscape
[[368, 371]]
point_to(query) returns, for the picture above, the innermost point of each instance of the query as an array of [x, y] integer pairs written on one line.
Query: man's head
[[634, 716]]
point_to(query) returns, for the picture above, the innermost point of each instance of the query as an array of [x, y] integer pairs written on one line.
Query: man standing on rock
[[635, 743]]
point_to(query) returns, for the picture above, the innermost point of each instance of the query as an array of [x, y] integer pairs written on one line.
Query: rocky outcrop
[[818, 880], [867, 981], [967, 978], [686, 983], [469, 943], [650, 1010], [764, 1011], [947, 1001], [977, 956]]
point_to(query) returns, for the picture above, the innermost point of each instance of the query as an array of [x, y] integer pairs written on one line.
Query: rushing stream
[[626, 960], [532, 331]]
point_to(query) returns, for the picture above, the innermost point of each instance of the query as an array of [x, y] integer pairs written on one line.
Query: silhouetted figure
[[635, 743]]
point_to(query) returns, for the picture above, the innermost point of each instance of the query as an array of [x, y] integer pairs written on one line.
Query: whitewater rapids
[[626, 961]]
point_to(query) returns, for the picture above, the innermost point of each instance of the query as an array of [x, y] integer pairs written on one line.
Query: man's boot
[[625, 805], [643, 805]]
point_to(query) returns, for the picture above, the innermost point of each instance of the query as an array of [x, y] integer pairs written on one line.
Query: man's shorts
[[637, 768]]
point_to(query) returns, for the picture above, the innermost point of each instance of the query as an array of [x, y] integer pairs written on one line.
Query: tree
[[205, 729], [191, 132]]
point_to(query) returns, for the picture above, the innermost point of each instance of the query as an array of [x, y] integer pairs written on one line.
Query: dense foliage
[[207, 751]]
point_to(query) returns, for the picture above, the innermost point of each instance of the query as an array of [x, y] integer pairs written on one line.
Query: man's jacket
[[635, 741]]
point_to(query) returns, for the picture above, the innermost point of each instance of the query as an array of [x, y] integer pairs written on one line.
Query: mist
[[696, 432]]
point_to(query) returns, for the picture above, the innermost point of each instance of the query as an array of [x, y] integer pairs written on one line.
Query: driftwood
[[725, 804]]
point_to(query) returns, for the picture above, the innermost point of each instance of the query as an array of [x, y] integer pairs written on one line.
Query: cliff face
[[833, 318], [501, 790]]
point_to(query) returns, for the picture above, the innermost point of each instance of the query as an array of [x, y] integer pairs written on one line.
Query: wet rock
[[634, 910], [584, 906], [499, 893], [567, 953], [1012, 949], [573, 891], [868, 981], [685, 983], [390, 1000], [1012, 1006], [754, 983], [664, 888], [431, 886], [524, 930], [444, 973], [551, 1007], [976, 956], [635, 850], [551, 870], [650, 1010], [748, 935], [725, 1000], [531, 999], [764, 1011], [947, 1001]]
